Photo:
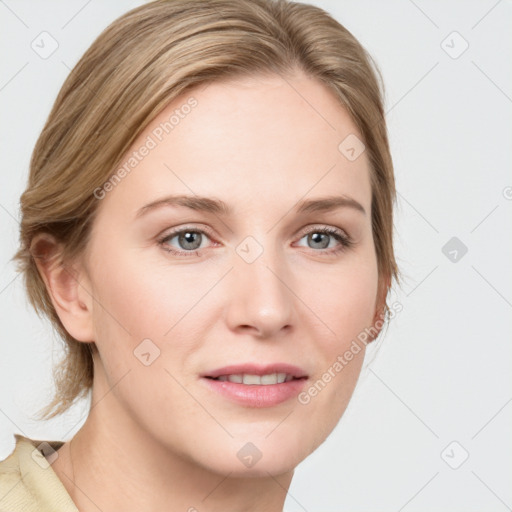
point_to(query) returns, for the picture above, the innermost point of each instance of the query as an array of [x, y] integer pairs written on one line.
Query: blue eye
[[321, 238], [191, 240]]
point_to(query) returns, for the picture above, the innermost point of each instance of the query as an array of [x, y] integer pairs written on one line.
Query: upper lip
[[255, 369]]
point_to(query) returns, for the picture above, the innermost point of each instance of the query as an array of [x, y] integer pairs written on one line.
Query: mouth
[[252, 379], [256, 386], [253, 374]]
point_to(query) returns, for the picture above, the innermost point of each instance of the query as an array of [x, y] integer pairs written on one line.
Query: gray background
[[442, 372]]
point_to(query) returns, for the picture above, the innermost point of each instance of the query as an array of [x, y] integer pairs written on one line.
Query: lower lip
[[254, 395]]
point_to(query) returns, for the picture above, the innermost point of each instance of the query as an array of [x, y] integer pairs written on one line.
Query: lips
[[252, 385]]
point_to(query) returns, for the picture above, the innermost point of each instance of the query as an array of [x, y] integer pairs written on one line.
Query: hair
[[131, 72]]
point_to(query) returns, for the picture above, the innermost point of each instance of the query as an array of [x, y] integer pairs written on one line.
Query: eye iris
[[316, 239], [190, 240]]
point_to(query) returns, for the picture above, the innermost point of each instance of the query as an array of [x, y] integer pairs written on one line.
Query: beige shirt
[[28, 482]]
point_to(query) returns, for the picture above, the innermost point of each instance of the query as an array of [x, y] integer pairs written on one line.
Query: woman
[[208, 224]]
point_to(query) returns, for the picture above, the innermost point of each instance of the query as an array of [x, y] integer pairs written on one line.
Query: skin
[[156, 438]]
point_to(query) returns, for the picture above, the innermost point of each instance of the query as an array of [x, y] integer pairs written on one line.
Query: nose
[[261, 300]]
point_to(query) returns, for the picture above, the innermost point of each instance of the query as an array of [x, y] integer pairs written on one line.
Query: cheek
[[143, 297], [344, 301]]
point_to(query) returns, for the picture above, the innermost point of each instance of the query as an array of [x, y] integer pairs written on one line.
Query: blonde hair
[[139, 64]]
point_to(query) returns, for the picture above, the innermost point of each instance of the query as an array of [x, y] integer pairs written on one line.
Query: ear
[[68, 287], [380, 304]]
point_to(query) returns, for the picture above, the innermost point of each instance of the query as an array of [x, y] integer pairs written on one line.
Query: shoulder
[[27, 480]]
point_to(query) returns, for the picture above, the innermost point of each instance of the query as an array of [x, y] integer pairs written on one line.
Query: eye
[[188, 241], [327, 239]]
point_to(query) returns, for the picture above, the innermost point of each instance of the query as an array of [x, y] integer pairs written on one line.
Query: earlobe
[[379, 317], [67, 287]]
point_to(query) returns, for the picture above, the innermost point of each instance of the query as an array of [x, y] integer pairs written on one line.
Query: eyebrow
[[219, 207]]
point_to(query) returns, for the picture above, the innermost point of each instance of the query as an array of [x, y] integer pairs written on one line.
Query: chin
[[250, 454]]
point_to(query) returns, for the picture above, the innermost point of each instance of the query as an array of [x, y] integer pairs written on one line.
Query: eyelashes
[[341, 237], [190, 236], [185, 236]]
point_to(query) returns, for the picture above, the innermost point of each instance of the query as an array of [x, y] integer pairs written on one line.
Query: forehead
[[244, 140]]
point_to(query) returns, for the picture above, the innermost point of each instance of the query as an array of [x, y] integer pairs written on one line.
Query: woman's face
[[243, 277]]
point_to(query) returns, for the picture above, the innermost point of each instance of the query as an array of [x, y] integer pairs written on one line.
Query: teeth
[[251, 379], [269, 379], [247, 378]]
